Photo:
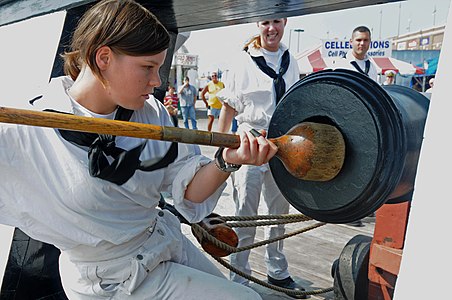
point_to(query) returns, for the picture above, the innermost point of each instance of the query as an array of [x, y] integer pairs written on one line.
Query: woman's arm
[[252, 151], [206, 181]]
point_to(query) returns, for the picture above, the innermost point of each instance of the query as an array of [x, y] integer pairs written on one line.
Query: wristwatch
[[222, 165]]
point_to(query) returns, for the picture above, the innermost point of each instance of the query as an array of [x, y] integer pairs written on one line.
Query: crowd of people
[[188, 95]]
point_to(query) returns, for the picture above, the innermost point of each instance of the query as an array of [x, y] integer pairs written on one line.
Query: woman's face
[[271, 33], [132, 78]]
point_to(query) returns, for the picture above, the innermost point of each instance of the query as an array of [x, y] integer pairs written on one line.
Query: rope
[[205, 234], [265, 217], [249, 221], [271, 220], [271, 286]]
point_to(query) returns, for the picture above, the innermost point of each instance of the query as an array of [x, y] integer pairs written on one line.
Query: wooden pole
[[114, 127], [309, 151]]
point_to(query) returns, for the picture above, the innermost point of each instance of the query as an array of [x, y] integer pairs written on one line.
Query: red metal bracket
[[386, 249]]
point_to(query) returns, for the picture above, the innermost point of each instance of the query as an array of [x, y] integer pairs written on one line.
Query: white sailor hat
[[390, 73]]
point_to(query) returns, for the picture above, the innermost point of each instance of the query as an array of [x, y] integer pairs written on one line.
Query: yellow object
[[213, 89]]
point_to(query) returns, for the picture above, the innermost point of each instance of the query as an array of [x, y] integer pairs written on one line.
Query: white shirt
[[345, 64], [46, 189], [250, 91]]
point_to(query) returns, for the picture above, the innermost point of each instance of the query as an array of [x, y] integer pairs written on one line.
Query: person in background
[[255, 84], [390, 77], [188, 96], [95, 196], [357, 59], [170, 101], [431, 82], [417, 86], [213, 104]]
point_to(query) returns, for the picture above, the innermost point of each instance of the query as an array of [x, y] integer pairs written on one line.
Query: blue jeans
[[189, 112], [234, 125]]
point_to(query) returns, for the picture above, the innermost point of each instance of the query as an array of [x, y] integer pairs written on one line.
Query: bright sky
[[414, 15]]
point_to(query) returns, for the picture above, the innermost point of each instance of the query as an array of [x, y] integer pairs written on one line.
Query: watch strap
[[223, 165]]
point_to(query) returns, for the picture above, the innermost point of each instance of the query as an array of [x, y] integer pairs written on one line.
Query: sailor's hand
[[253, 150]]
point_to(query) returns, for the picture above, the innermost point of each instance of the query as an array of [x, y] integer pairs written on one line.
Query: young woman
[[95, 197], [257, 81]]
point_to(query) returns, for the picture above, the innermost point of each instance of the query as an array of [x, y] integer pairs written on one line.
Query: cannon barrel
[[382, 129]]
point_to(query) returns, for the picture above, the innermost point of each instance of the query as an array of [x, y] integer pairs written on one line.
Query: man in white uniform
[[357, 59]]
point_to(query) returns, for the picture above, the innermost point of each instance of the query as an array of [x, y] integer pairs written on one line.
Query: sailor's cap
[[390, 73]]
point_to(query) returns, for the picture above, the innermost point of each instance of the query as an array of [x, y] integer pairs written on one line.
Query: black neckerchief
[[366, 71], [125, 163], [278, 80]]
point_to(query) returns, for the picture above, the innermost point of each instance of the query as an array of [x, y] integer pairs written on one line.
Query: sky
[[414, 15]]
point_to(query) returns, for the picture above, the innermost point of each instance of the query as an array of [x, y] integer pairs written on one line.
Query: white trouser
[[249, 182], [167, 266]]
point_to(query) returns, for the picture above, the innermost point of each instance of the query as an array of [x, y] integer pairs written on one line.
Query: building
[[420, 48], [424, 39]]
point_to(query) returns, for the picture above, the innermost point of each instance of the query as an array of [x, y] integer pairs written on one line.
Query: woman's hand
[[252, 151]]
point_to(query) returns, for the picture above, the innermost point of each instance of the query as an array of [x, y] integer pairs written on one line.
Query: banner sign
[[339, 48], [185, 60]]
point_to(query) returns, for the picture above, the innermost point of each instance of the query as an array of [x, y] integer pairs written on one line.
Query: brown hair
[[123, 25]]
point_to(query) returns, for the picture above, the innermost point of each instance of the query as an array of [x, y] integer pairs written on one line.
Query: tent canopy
[[432, 66], [311, 61], [389, 63]]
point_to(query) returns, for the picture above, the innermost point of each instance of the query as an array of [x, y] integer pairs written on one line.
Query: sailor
[[258, 79], [95, 196], [390, 77], [357, 59]]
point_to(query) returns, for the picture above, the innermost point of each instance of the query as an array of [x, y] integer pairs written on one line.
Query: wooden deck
[[310, 254]]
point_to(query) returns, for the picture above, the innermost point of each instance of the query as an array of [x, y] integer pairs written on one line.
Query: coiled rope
[[253, 221]]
